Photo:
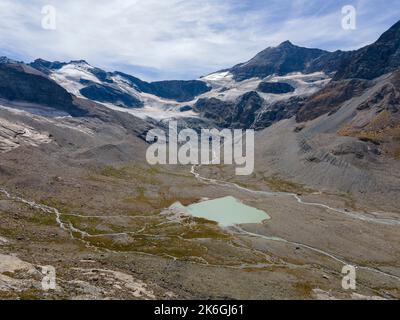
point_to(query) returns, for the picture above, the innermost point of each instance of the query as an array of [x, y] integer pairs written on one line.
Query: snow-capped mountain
[[122, 91], [270, 92], [276, 84], [275, 75], [172, 99]]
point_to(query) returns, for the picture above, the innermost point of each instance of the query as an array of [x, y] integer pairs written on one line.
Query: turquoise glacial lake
[[227, 212]]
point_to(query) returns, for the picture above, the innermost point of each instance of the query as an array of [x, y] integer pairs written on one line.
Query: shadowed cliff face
[[19, 82], [278, 111], [275, 87], [238, 114], [105, 93], [359, 71], [246, 109], [178, 90], [374, 60], [220, 112]]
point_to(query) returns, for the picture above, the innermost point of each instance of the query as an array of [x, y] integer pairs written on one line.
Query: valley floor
[[103, 232]]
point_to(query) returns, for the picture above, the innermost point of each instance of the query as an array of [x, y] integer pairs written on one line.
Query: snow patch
[[218, 76], [69, 77], [227, 89], [13, 135], [154, 112]]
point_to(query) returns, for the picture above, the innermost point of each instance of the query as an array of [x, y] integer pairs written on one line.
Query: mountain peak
[[374, 60], [393, 34], [284, 59], [5, 60], [46, 66], [286, 43], [79, 62], [40, 60]]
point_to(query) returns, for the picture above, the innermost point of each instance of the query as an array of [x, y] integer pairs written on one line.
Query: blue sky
[[182, 39]]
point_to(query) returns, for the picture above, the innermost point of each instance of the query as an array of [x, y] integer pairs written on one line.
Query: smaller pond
[[226, 211]]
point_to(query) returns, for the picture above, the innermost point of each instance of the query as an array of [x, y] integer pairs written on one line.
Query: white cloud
[[173, 38]]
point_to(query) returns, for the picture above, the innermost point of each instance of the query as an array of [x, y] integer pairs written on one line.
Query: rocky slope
[[374, 60], [19, 82], [353, 73], [378, 118], [277, 98], [284, 59], [330, 98], [77, 193]]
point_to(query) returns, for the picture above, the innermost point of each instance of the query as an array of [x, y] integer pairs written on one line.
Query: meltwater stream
[[356, 215], [352, 214], [259, 216]]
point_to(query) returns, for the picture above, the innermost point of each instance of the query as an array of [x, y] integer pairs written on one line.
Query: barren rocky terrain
[[100, 216], [77, 194]]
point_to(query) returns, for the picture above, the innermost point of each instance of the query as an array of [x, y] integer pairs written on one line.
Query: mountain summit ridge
[[225, 88], [374, 60], [280, 60]]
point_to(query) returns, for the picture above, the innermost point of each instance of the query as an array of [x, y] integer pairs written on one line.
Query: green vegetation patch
[[279, 184]]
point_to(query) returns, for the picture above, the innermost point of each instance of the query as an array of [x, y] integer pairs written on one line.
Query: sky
[[181, 39]]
